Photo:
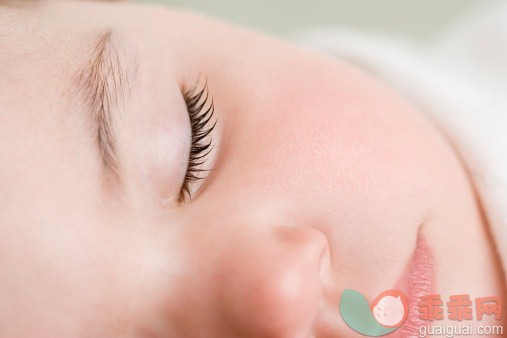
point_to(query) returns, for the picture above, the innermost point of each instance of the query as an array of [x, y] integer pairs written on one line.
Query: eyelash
[[200, 111]]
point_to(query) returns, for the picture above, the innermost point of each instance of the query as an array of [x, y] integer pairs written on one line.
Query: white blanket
[[460, 78]]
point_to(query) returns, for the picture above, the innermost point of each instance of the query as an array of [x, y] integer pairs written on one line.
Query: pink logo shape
[[390, 308]]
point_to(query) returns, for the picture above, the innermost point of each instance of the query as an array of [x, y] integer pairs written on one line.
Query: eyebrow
[[105, 82]]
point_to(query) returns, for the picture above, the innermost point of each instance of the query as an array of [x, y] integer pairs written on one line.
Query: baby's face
[[322, 179]]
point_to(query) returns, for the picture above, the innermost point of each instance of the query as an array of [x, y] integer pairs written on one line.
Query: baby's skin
[[315, 178]]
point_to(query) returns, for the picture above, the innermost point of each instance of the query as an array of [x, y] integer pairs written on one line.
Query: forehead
[[42, 137]]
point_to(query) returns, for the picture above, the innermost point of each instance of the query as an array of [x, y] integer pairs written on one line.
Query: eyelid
[[155, 138], [159, 153]]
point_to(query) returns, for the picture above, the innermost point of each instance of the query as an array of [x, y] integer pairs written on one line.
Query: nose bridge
[[271, 281]]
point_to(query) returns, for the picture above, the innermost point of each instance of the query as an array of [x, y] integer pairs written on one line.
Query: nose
[[271, 283]]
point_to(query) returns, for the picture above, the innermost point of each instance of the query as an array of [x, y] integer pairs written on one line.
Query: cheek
[[352, 160], [342, 156]]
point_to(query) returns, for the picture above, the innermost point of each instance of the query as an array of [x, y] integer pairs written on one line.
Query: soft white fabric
[[460, 78]]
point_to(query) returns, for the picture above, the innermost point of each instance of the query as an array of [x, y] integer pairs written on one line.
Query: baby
[[163, 174]]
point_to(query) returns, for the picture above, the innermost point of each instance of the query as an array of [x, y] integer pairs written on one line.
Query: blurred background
[[419, 19]]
